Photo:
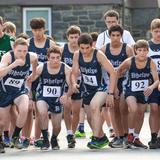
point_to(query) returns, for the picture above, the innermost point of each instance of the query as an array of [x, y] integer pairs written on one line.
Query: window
[[29, 13]]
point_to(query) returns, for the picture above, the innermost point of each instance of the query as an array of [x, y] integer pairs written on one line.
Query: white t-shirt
[[103, 38]]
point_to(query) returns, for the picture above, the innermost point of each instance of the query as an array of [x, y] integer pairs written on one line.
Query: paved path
[[81, 152]]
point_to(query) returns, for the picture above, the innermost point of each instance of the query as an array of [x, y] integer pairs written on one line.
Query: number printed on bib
[[157, 62], [51, 91], [139, 85], [90, 80], [14, 82]]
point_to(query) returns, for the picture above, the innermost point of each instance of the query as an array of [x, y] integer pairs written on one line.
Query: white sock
[[69, 132], [136, 135], [131, 130]]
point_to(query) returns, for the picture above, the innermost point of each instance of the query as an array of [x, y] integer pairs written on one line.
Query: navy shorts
[[154, 97], [87, 96], [138, 95], [76, 96], [54, 105], [8, 99]]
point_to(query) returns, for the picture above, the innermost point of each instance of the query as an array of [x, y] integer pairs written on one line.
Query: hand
[[147, 92], [110, 101], [64, 99], [30, 78], [75, 88], [18, 62]]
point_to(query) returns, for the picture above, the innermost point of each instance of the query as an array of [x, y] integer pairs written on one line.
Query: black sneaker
[[26, 142], [16, 142], [112, 141], [153, 144], [45, 145], [139, 144], [54, 143], [71, 141], [2, 147]]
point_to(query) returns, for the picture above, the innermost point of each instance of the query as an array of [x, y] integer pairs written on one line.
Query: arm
[[112, 79], [154, 73], [75, 72], [109, 68], [103, 49], [52, 43], [125, 65], [6, 66], [129, 51], [34, 63], [68, 74], [64, 98]]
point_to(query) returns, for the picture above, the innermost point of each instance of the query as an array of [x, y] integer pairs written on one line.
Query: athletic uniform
[[51, 88], [91, 76], [13, 84], [42, 57], [5, 44], [67, 58], [138, 80], [154, 53], [116, 60]]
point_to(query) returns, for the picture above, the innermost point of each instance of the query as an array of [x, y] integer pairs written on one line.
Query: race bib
[[139, 85], [90, 80], [157, 62], [51, 91], [14, 82]]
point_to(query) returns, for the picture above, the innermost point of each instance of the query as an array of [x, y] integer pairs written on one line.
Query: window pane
[[36, 13]]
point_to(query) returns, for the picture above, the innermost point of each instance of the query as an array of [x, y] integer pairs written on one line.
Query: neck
[[115, 45], [41, 39], [73, 48], [155, 41]]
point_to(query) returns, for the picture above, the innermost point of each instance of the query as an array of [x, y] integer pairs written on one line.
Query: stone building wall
[[89, 18]]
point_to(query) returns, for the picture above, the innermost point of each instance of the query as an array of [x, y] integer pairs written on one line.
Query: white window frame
[[25, 9]]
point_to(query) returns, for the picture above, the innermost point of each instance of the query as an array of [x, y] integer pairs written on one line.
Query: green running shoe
[[79, 134]]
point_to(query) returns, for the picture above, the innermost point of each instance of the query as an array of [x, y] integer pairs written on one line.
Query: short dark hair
[[115, 28], [20, 41], [142, 43], [53, 49], [37, 23], [94, 36], [85, 38], [73, 30], [111, 13], [23, 35]]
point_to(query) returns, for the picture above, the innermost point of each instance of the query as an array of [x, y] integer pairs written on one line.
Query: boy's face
[[85, 48], [54, 59], [156, 34], [38, 33], [110, 21], [20, 51], [142, 53], [115, 37], [73, 39]]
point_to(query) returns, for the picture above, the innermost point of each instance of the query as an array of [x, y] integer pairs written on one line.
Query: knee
[[42, 114], [154, 110], [94, 108]]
